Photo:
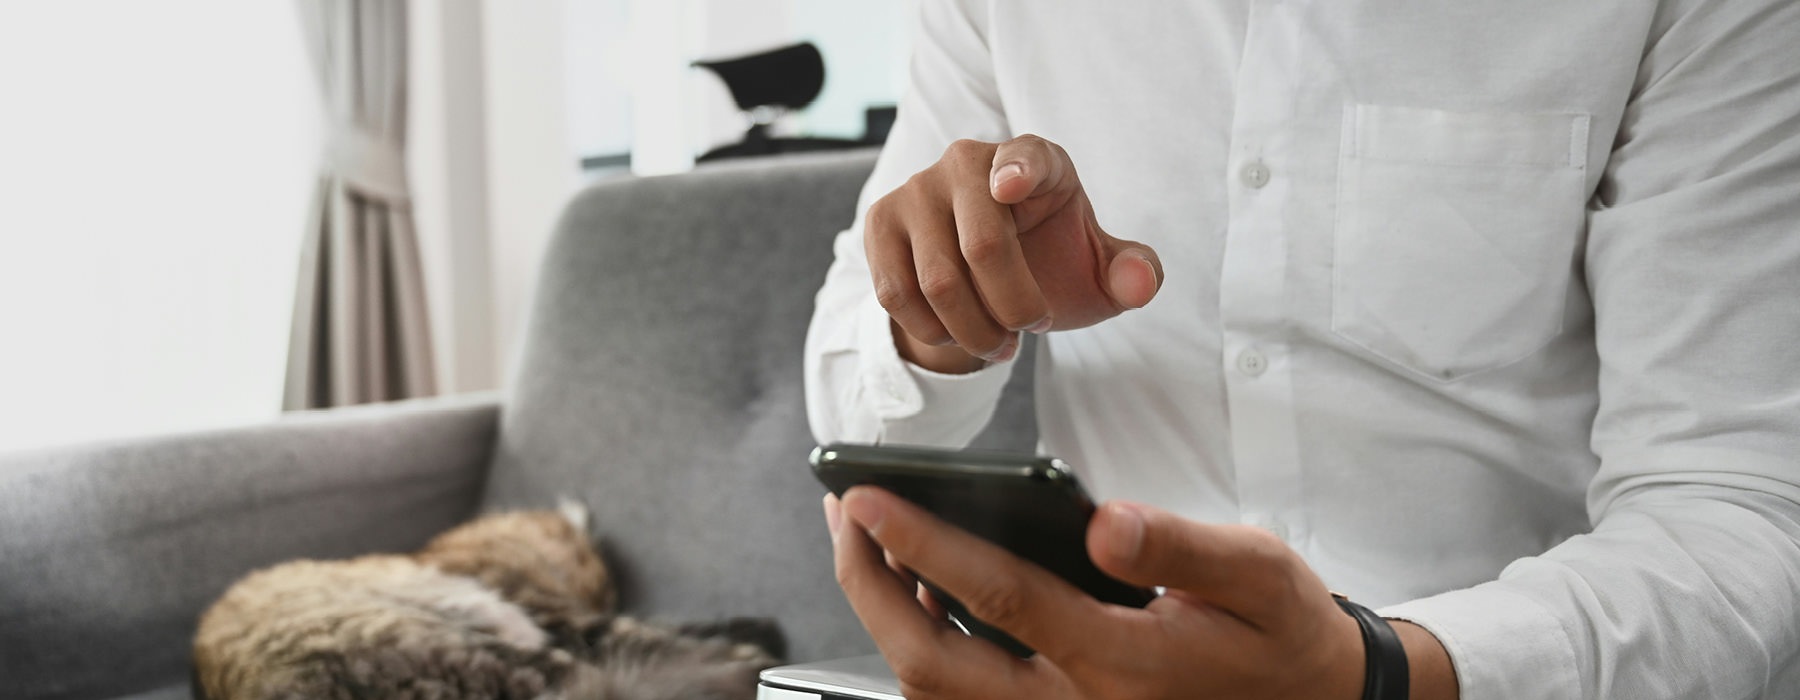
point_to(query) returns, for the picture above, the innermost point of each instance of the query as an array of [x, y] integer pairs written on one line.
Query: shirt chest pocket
[[1455, 234]]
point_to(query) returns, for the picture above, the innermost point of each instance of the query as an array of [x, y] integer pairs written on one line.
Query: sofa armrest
[[109, 552]]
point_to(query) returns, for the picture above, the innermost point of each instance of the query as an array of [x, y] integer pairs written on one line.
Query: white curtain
[[361, 332]]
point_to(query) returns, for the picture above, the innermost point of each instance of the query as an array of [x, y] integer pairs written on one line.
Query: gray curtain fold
[[361, 332]]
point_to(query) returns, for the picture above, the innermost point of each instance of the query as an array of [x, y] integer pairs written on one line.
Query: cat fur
[[510, 606]]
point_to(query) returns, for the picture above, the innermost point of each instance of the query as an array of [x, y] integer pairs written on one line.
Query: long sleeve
[[1688, 585], [858, 388]]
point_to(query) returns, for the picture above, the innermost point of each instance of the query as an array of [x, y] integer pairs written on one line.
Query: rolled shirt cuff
[[1503, 644], [960, 404]]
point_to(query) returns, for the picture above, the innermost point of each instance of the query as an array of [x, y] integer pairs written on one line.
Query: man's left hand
[[1243, 615]]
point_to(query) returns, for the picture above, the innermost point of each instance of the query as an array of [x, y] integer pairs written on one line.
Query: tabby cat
[[510, 606]]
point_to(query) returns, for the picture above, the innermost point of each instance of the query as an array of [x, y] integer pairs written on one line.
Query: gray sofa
[[659, 381]]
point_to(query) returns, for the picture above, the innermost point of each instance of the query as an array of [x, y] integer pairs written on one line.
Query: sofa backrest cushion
[[660, 382]]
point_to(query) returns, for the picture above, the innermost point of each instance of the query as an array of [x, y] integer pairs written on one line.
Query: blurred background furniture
[[769, 84], [660, 382]]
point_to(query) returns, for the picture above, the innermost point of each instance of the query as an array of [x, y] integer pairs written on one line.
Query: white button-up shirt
[[1490, 309]]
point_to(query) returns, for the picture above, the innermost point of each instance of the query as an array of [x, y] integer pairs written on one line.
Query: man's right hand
[[991, 240]]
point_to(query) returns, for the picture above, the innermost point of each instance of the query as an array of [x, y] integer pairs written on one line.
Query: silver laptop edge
[[860, 678]]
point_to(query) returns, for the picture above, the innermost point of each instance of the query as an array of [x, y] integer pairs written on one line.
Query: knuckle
[[1038, 148], [1261, 542], [848, 577], [1272, 549], [940, 286], [964, 159], [892, 296], [879, 218], [1281, 570], [918, 184], [921, 677], [963, 149], [1001, 603], [1283, 589], [1031, 140], [1263, 548], [984, 251]]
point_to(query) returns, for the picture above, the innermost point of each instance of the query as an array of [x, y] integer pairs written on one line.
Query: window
[[155, 164]]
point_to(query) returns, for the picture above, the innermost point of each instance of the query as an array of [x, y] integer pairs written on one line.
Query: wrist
[[1386, 671], [1432, 675]]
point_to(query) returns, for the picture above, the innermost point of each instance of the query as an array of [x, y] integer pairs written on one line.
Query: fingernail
[[1139, 255], [1145, 260], [1004, 353], [834, 517], [1125, 531], [1006, 172], [1041, 327], [864, 510]]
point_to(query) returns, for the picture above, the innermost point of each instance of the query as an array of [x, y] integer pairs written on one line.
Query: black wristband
[[1384, 671]]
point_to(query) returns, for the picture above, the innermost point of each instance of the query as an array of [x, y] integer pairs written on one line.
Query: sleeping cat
[[512, 606]]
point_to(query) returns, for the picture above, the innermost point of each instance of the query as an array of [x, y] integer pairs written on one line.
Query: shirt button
[[1255, 175], [1252, 362]]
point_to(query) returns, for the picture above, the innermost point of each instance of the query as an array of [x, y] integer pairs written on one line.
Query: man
[[1484, 314]]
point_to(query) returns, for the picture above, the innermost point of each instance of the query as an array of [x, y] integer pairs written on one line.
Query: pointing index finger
[[1026, 167], [990, 247]]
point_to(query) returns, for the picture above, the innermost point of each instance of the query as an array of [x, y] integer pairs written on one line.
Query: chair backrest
[[660, 382]]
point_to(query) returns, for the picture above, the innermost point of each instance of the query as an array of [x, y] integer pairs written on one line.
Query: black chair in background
[[769, 84]]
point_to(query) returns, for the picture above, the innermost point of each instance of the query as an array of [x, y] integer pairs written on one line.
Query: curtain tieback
[[369, 165]]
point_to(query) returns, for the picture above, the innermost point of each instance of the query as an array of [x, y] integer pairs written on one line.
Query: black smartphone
[[1032, 506]]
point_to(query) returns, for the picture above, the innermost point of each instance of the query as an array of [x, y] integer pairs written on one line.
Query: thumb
[[1238, 568], [1134, 273]]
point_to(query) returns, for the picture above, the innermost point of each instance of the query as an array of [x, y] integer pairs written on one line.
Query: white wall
[[664, 36], [492, 165], [532, 168]]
